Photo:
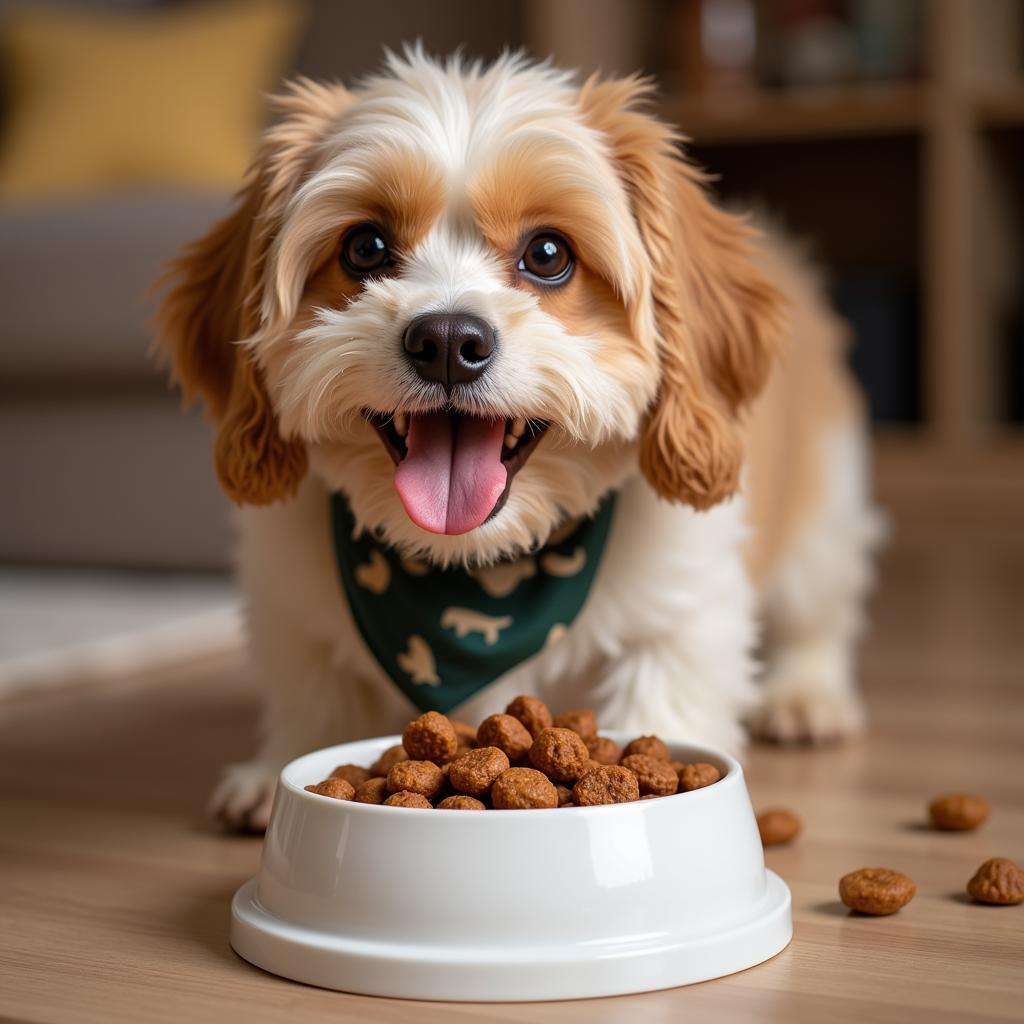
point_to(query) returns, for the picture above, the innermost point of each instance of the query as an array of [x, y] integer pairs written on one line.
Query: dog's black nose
[[449, 348]]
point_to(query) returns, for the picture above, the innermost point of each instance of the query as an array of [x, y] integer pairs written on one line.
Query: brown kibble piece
[[564, 794], [431, 737], [372, 791], [388, 760], [609, 784], [604, 750], [677, 766], [406, 799], [337, 789], [506, 733], [876, 891], [532, 713], [778, 825], [423, 777], [464, 733], [958, 812], [697, 776], [560, 754], [649, 746], [474, 772], [460, 802], [353, 774], [998, 881], [521, 788], [582, 721], [652, 775]]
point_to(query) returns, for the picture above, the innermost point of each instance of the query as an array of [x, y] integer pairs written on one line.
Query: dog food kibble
[[652, 775], [609, 784], [506, 733], [697, 776], [560, 754], [474, 772], [604, 750], [524, 759], [582, 721], [460, 802], [339, 789], [423, 777], [352, 774], [778, 825], [407, 799], [649, 746], [958, 812], [465, 734], [998, 881], [533, 713], [388, 760], [372, 791], [876, 891], [431, 737], [522, 788]]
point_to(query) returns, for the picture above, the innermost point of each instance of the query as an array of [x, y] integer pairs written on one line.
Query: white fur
[[813, 605]]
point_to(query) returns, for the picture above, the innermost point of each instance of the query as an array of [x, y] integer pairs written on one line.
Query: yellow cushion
[[104, 100]]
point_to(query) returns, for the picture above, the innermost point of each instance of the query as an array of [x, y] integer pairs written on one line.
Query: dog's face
[[473, 300]]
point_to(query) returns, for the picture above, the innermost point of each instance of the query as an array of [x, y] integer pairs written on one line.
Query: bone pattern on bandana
[[441, 635]]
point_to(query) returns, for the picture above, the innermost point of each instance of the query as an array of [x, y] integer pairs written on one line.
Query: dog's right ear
[[216, 288]]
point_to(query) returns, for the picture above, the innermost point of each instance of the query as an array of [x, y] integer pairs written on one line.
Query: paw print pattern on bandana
[[375, 575], [417, 661], [465, 621], [500, 580], [555, 564], [443, 633]]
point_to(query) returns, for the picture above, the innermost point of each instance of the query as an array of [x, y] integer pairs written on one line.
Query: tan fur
[[717, 315], [215, 303], [809, 393]]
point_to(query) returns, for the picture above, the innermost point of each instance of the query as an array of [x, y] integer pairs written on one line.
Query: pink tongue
[[452, 477]]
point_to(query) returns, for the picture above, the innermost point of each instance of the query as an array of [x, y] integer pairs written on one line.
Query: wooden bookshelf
[[761, 115], [957, 132]]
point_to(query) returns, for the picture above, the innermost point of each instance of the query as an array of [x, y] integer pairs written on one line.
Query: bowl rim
[[732, 776]]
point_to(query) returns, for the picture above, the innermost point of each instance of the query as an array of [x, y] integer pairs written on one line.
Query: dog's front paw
[[799, 709], [241, 800]]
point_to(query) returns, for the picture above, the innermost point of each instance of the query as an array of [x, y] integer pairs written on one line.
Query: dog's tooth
[[518, 427], [511, 440], [401, 422]]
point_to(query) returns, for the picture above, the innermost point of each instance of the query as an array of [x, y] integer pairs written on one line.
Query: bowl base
[[508, 975]]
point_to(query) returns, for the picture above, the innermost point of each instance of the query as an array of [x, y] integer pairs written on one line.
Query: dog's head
[[475, 300]]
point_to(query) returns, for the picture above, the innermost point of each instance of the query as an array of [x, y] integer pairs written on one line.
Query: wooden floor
[[114, 893]]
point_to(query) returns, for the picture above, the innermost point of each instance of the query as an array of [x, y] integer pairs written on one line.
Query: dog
[[511, 406]]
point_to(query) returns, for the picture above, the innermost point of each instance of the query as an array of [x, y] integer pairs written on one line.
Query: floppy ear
[[716, 314], [214, 304]]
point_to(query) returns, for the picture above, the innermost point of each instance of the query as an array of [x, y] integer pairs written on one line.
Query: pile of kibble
[[525, 758]]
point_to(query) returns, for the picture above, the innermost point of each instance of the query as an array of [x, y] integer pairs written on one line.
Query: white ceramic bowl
[[509, 905]]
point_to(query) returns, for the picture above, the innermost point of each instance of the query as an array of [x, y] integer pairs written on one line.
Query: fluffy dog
[[477, 302]]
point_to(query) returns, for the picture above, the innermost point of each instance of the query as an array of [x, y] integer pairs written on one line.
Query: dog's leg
[[682, 611], [813, 607], [301, 687]]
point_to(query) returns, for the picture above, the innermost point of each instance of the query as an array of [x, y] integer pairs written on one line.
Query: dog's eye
[[364, 251], [547, 258]]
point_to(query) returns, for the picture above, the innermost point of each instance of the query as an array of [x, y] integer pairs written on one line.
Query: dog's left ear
[[214, 304], [716, 315]]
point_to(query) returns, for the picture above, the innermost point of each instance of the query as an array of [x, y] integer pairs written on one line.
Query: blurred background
[[888, 135]]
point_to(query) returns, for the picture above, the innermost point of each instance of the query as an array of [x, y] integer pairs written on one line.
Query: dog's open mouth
[[453, 470]]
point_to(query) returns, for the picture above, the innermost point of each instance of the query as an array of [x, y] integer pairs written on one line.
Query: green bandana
[[444, 634]]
